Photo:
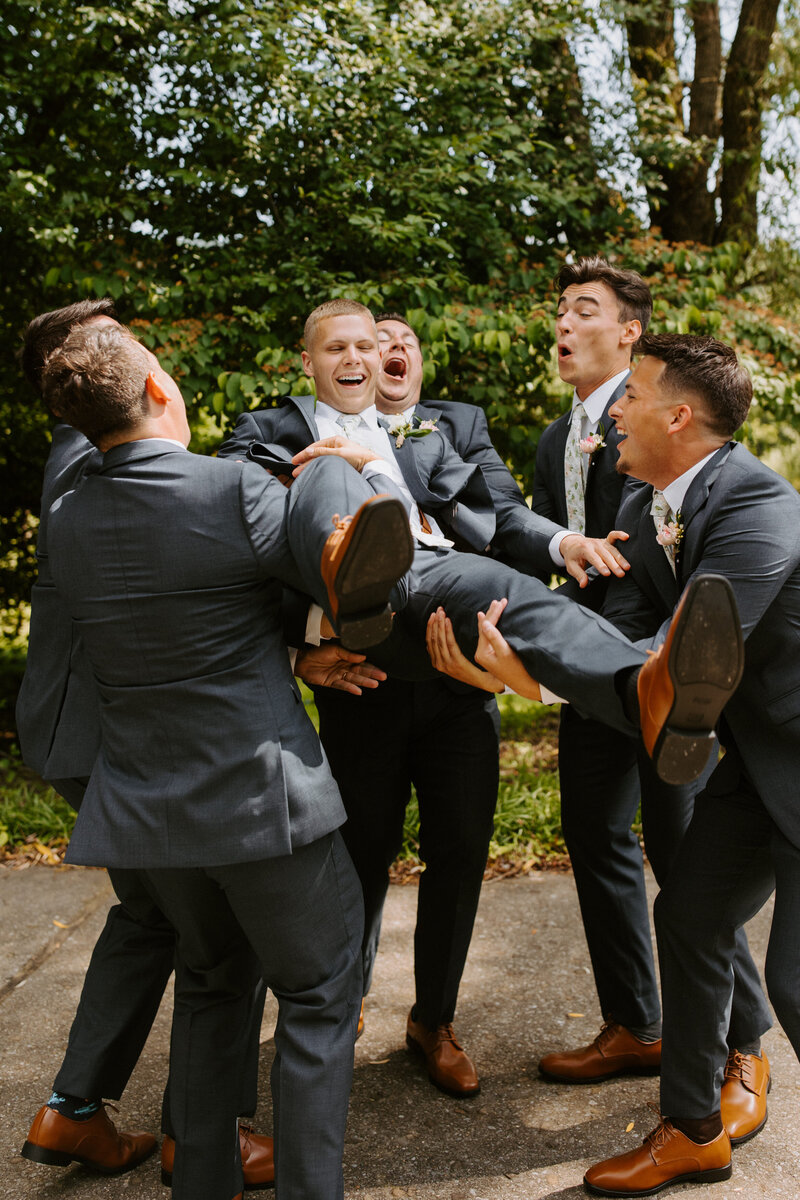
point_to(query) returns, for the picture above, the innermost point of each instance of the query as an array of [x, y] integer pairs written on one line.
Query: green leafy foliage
[[221, 169]]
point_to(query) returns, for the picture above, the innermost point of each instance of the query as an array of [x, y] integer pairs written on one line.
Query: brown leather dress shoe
[[615, 1051], [361, 562], [449, 1066], [360, 1025], [744, 1095], [666, 1156], [97, 1143], [258, 1160], [685, 685]]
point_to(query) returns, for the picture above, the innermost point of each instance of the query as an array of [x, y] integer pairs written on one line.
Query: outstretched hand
[[351, 452], [580, 552], [447, 657], [333, 666], [495, 654]]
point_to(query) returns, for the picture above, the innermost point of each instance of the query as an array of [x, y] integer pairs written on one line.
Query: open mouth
[[350, 380], [564, 352], [395, 366]]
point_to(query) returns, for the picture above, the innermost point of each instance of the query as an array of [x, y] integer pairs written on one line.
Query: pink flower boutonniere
[[594, 442], [401, 429], [670, 533]]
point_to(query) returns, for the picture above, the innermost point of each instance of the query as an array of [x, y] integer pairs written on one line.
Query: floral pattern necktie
[[574, 473], [662, 515]]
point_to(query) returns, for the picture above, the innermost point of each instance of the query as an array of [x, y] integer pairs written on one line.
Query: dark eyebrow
[[580, 300]]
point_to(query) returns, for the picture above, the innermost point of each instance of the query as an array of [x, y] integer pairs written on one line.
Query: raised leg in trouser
[[722, 875], [573, 651]]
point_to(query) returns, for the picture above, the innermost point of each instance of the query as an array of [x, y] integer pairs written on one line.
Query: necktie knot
[[349, 422]]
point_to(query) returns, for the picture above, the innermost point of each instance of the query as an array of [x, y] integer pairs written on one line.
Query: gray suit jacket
[[171, 565], [741, 520], [58, 716]]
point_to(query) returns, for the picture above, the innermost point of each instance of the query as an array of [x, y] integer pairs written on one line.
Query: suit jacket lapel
[[306, 407], [693, 505], [602, 463]]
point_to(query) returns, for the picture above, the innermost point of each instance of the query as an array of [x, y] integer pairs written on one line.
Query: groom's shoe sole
[[361, 563], [684, 687]]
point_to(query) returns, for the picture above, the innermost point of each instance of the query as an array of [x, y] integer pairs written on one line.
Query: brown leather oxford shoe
[[360, 1025], [615, 1051], [258, 1159], [449, 1066], [361, 562], [744, 1095], [685, 685], [666, 1156], [57, 1140]]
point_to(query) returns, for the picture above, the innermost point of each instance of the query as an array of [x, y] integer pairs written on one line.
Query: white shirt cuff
[[555, 546], [313, 625]]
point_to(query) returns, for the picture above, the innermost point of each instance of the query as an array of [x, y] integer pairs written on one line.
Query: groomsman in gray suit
[[602, 310], [717, 508], [207, 780], [711, 507]]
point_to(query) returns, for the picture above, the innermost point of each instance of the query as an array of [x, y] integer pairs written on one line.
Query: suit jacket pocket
[[784, 708]]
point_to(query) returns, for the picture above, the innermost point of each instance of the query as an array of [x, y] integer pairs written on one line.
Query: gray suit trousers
[[297, 920]]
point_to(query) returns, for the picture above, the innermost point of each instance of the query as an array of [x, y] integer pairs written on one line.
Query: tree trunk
[[742, 104], [680, 202]]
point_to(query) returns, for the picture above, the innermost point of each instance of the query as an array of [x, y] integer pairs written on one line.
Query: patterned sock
[[74, 1107]]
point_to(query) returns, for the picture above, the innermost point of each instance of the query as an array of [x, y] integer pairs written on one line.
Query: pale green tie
[[662, 514], [574, 473], [349, 424]]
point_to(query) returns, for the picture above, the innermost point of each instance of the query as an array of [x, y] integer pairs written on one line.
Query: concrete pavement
[[527, 989]]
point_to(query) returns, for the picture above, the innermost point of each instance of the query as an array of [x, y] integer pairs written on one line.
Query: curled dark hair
[[632, 293], [707, 368]]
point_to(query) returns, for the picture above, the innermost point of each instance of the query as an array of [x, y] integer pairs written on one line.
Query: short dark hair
[[393, 316], [96, 381], [704, 367], [47, 331], [632, 293]]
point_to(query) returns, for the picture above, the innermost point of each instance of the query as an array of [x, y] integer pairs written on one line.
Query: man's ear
[[631, 332], [681, 417], [154, 389], [308, 365]]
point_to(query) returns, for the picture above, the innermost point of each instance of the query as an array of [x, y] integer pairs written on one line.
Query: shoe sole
[[705, 664], [458, 1094], [600, 1078], [379, 552], [716, 1176], [166, 1179], [745, 1137], [60, 1158]]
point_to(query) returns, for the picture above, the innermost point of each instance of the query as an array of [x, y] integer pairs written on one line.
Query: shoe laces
[[739, 1067], [663, 1131], [447, 1034], [341, 523], [607, 1031], [244, 1132]]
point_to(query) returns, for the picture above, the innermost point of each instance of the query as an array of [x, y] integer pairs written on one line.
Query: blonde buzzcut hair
[[341, 307]]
